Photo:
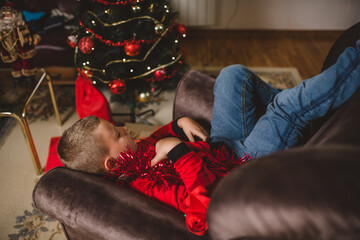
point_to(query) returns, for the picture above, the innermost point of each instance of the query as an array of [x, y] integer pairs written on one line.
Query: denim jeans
[[238, 91]]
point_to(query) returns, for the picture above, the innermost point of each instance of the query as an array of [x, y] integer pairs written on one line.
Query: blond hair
[[80, 149]]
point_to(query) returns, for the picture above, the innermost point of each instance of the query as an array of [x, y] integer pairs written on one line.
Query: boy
[[196, 166]]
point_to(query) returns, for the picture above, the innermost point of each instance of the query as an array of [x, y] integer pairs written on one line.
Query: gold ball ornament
[[159, 28], [144, 97], [151, 7]]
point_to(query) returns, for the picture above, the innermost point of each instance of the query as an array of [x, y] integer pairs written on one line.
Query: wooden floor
[[305, 50]]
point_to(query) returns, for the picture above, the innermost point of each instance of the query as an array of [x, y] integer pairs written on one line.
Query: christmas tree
[[131, 46]]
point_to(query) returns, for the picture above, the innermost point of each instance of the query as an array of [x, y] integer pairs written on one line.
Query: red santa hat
[[9, 6]]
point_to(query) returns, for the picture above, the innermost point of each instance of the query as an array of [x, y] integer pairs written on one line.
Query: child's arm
[[192, 128], [196, 178], [182, 127]]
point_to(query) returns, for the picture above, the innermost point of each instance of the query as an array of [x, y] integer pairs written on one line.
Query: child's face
[[116, 138]]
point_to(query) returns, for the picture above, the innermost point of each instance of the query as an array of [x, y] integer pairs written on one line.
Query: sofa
[[311, 191], [53, 49]]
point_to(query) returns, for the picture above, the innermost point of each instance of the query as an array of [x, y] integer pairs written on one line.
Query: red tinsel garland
[[166, 76], [132, 165], [118, 44], [126, 2]]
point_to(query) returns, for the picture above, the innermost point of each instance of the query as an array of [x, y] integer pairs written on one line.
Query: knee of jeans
[[231, 76]]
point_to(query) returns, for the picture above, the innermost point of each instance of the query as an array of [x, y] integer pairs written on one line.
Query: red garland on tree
[[160, 74], [118, 86], [86, 45], [181, 29], [124, 3], [132, 49], [117, 44]]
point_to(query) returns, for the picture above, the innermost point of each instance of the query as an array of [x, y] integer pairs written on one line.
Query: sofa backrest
[[343, 127], [47, 5]]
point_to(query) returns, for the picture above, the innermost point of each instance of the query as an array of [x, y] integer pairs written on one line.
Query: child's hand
[[192, 128], [163, 147]]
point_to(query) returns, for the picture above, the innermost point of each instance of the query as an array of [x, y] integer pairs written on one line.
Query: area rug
[[278, 77], [34, 225], [40, 107]]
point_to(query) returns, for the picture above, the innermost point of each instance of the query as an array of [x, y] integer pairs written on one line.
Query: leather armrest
[[304, 193], [91, 207], [194, 97]]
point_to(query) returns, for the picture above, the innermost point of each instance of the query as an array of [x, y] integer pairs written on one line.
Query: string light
[[148, 68]]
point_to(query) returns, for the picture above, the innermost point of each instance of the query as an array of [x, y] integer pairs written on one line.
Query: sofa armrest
[[90, 207], [194, 97], [304, 193]]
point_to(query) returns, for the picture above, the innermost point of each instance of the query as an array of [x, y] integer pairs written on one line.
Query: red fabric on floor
[[53, 159]]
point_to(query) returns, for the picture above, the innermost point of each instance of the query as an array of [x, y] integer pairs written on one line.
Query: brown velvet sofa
[[308, 192], [53, 49]]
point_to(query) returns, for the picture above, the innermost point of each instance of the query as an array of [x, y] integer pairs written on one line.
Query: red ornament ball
[[118, 86], [181, 29], [132, 49], [86, 45], [160, 74]]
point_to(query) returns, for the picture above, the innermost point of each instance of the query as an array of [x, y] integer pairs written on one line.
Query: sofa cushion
[[343, 127], [304, 193]]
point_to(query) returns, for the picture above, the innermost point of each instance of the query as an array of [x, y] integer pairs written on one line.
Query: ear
[[109, 163]]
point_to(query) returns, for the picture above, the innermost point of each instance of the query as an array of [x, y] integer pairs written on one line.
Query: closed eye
[[117, 133]]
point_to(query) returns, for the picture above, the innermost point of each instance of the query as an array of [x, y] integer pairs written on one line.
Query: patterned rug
[[40, 108], [34, 225], [278, 77]]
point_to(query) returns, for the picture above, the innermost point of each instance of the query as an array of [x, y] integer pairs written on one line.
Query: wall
[[283, 14]]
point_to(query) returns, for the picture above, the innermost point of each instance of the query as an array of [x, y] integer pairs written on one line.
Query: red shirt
[[191, 196]]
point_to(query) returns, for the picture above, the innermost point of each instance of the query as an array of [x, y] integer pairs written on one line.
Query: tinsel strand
[[166, 76], [119, 43], [123, 3]]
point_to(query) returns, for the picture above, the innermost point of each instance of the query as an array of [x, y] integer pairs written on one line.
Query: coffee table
[[20, 114]]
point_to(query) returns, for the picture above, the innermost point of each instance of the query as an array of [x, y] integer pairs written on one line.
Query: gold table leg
[[30, 143], [25, 126], [51, 89], [28, 138]]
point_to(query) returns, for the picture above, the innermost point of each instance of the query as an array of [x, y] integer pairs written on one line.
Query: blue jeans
[[238, 91]]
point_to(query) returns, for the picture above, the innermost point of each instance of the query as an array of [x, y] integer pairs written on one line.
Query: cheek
[[117, 148], [130, 143]]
